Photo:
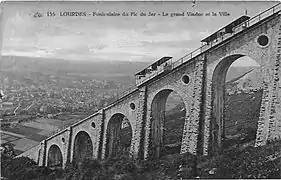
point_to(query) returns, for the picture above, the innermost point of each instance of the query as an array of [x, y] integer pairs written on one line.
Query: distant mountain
[[251, 80], [107, 69], [18, 67], [32, 63], [237, 71]]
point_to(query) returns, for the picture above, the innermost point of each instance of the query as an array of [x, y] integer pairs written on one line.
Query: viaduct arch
[[218, 103], [83, 147], [158, 110], [55, 157], [118, 136]]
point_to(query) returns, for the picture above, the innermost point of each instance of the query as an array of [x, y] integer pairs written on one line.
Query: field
[[28, 134]]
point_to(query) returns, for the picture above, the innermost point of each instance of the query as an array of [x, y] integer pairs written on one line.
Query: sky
[[122, 38]]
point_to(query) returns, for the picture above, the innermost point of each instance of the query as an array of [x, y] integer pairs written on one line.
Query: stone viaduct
[[199, 79]]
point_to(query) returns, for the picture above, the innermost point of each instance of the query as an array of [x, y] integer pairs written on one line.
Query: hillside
[[248, 79], [236, 71]]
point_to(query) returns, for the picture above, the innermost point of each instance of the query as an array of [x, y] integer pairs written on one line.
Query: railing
[[122, 94], [128, 91], [236, 29], [160, 69]]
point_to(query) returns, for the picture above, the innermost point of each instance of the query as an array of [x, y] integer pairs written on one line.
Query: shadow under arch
[[39, 155], [54, 157], [83, 147], [118, 136], [217, 125], [157, 131]]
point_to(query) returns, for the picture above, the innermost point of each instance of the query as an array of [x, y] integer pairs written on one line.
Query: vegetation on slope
[[242, 110], [261, 162]]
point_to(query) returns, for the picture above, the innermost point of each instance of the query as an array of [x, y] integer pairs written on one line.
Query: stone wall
[[138, 137], [193, 131], [195, 128], [274, 130], [267, 121], [277, 113]]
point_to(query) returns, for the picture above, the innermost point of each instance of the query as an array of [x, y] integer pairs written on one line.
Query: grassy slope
[[242, 110]]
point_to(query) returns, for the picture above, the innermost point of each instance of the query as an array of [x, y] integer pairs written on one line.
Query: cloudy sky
[[132, 38]]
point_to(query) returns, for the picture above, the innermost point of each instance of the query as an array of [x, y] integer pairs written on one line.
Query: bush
[[248, 163], [22, 168]]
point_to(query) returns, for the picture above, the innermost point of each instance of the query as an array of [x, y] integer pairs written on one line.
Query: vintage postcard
[[140, 89]]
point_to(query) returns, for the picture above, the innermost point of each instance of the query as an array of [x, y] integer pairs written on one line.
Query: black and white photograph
[[140, 90]]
